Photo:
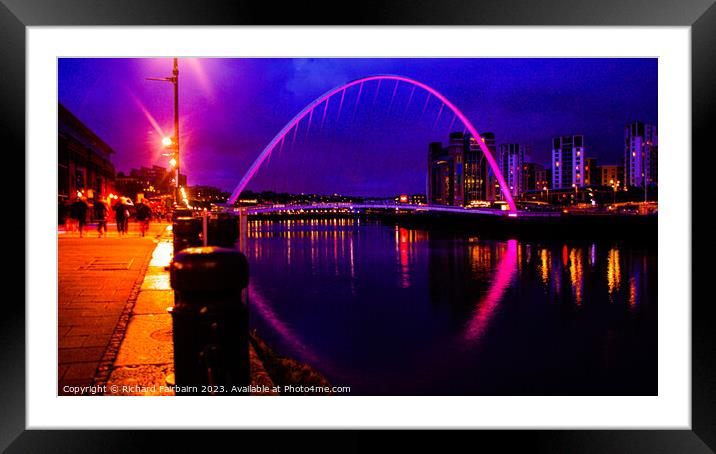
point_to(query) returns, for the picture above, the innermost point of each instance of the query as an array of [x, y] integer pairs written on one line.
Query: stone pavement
[[114, 328], [146, 355], [97, 280]]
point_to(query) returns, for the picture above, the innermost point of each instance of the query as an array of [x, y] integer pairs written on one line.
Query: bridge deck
[[398, 207]]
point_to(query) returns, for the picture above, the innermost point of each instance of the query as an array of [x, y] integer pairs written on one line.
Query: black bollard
[[223, 230], [181, 213], [186, 232], [210, 321]]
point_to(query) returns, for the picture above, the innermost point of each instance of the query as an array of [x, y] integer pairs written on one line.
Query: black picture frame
[[700, 15]]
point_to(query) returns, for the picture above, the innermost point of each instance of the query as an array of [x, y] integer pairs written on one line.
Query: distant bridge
[[322, 207]]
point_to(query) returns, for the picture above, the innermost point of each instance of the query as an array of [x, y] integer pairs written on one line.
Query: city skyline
[[590, 97]]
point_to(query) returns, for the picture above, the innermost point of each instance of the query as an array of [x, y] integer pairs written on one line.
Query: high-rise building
[[511, 159], [490, 187], [641, 144], [592, 175], [567, 162], [456, 172], [439, 171]]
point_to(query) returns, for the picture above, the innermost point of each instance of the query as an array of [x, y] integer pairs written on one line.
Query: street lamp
[[173, 142], [614, 186], [576, 193]]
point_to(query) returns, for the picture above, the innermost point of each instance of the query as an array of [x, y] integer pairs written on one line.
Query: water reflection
[[386, 304], [487, 306], [576, 275], [614, 275]]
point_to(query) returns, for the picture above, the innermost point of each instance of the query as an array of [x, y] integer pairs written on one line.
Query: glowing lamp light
[[167, 141], [403, 198], [173, 162]]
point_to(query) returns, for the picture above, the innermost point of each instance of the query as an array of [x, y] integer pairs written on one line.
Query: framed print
[[448, 216]]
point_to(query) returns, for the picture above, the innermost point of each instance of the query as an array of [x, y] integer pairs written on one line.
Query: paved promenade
[[114, 328], [97, 280], [146, 355]]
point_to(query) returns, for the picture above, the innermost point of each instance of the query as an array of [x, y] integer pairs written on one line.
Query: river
[[389, 310]]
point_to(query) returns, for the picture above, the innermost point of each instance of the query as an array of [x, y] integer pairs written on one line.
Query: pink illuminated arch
[[309, 109]]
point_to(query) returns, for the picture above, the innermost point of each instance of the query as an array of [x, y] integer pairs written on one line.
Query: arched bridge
[[308, 110]]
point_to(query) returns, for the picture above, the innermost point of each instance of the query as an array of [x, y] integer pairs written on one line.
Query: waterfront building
[[207, 194], [534, 177], [592, 176], [457, 172], [568, 161], [84, 167], [641, 145], [511, 159], [490, 188], [610, 174]]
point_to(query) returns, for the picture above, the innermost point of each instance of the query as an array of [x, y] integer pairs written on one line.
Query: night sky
[[231, 108]]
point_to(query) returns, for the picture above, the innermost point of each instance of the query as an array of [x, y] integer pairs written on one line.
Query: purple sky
[[231, 108]]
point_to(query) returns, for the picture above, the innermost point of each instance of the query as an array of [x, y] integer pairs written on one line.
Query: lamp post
[[173, 142], [576, 193], [614, 187]]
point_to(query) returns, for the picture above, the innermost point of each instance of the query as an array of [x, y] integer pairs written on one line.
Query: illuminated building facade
[[611, 174], [567, 162], [83, 161], [592, 175], [534, 177], [457, 172], [511, 159], [641, 145]]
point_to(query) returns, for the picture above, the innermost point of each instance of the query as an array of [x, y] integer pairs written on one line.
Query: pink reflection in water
[[486, 308], [264, 309]]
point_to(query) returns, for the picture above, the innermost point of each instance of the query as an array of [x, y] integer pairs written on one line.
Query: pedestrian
[[121, 215], [100, 214], [70, 224], [78, 212], [143, 214]]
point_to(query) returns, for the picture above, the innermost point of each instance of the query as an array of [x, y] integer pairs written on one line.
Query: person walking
[[121, 215], [143, 214], [100, 214], [78, 212]]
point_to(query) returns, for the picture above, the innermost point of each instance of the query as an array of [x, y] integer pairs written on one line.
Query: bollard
[[186, 232], [181, 213], [210, 321], [224, 230]]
